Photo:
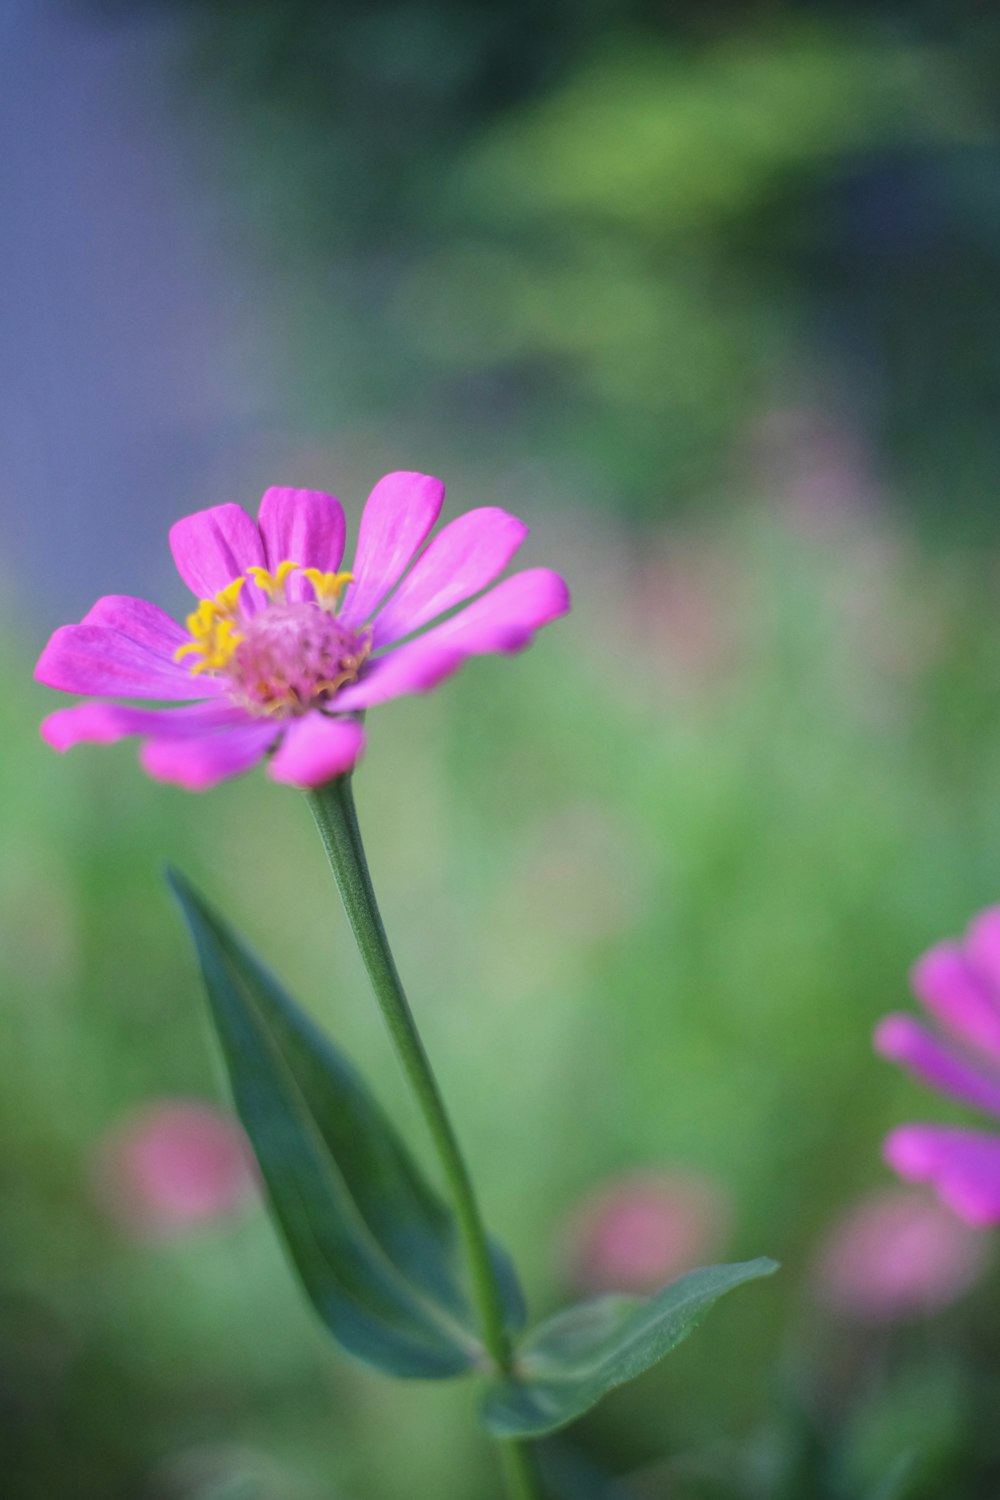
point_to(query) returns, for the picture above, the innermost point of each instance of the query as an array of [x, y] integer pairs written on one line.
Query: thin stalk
[[333, 808], [518, 1470]]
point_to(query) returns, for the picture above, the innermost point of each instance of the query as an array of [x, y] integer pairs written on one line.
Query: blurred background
[[707, 293]]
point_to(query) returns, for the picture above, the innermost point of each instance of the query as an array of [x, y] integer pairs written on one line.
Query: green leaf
[[569, 1362], [376, 1250]]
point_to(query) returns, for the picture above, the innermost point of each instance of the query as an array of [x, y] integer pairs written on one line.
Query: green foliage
[[569, 1362], [374, 1248], [668, 140], [636, 234], [665, 870], [605, 236]]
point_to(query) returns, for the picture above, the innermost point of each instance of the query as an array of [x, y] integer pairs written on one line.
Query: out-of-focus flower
[[959, 986], [173, 1164], [638, 1232], [896, 1254], [283, 651]]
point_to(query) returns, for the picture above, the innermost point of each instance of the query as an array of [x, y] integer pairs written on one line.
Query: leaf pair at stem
[[377, 1251]]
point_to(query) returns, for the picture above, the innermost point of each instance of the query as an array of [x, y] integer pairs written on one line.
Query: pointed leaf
[[375, 1248], [569, 1362]]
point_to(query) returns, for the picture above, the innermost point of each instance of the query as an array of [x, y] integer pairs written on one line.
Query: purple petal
[[197, 762], [94, 659], [954, 993], [462, 559], [505, 620], [982, 947], [142, 622], [396, 521], [305, 527], [315, 749], [103, 723], [905, 1041], [213, 547], [123, 646], [962, 1165]]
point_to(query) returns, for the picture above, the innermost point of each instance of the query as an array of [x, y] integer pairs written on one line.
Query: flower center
[[287, 656]]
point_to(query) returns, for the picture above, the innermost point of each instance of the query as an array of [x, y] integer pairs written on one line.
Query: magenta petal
[[956, 995], [905, 1041], [505, 620], [982, 947], [305, 527], [198, 762], [462, 559], [397, 519], [124, 647], [962, 1165], [142, 622], [103, 723], [213, 547], [315, 749], [97, 661]]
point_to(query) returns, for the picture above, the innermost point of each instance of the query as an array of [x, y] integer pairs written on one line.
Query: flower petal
[[305, 527], [213, 547], [142, 622], [963, 1166], [94, 659], [315, 749], [505, 620], [905, 1041], [982, 948], [462, 559], [948, 986], [396, 521], [104, 723], [197, 762]]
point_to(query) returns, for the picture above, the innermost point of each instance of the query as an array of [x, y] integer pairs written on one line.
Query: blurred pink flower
[[637, 1232], [895, 1254], [172, 1164], [283, 651], [959, 986]]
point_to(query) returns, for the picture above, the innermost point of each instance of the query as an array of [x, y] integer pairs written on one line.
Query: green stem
[[332, 807], [518, 1470]]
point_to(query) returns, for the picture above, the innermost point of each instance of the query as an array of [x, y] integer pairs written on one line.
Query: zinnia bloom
[[896, 1254], [173, 1164], [283, 652], [958, 985], [639, 1231]]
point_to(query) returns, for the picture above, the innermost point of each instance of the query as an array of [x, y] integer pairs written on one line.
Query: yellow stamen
[[214, 630], [273, 584], [327, 586], [216, 626], [226, 600], [200, 622]]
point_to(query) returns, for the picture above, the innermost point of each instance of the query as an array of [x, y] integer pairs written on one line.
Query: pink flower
[[896, 1254], [959, 986], [283, 652], [173, 1164], [640, 1231]]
